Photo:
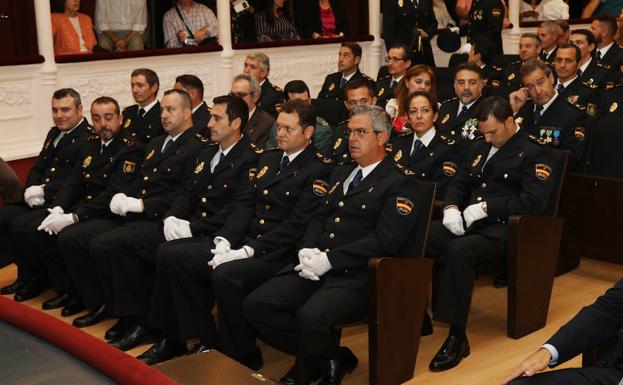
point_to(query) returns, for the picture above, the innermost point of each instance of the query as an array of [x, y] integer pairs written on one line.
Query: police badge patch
[[404, 205], [542, 171], [129, 167], [320, 187]]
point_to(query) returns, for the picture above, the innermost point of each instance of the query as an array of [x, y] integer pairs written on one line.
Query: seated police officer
[[369, 210], [285, 191], [553, 120], [506, 173], [142, 120], [57, 158], [168, 162], [109, 158], [348, 61], [201, 113], [429, 154]]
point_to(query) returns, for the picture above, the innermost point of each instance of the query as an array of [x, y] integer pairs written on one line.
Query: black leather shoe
[[500, 280], [453, 350], [199, 347], [254, 361], [12, 288], [73, 307], [29, 291], [288, 379], [135, 336], [163, 350], [427, 326], [338, 367], [119, 328], [56, 302], [98, 314]]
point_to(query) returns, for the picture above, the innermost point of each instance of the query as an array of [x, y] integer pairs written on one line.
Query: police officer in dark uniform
[[509, 81], [358, 93], [456, 116], [57, 158], [485, 19], [428, 154], [201, 113], [142, 120], [168, 163], [552, 119], [568, 84], [257, 65], [608, 52], [286, 189], [506, 173], [482, 54], [398, 62], [109, 158], [348, 70], [612, 102], [590, 71], [369, 210], [549, 33], [413, 23]]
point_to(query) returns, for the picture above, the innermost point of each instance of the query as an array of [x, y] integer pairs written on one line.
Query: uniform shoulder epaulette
[[343, 122], [611, 85], [590, 84], [403, 169], [128, 142], [93, 138], [389, 147], [323, 158], [537, 140], [496, 68], [604, 66], [449, 100], [515, 62], [405, 133], [257, 149], [202, 138], [276, 87], [384, 77], [366, 77], [573, 101], [320, 120], [447, 139]]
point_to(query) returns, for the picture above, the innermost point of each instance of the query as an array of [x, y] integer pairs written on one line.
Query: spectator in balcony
[[189, 24], [323, 18], [72, 31], [242, 21], [602, 7], [121, 24], [275, 22]]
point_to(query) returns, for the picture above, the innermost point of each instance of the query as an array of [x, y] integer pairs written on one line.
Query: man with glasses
[[358, 93], [398, 62], [456, 115], [348, 70], [258, 127], [368, 211]]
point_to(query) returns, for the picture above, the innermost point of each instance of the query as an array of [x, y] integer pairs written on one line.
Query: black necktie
[[103, 148], [537, 114], [343, 82], [141, 112], [579, 72], [393, 84], [463, 112], [167, 146], [285, 161], [416, 146], [560, 87], [598, 55], [356, 180]]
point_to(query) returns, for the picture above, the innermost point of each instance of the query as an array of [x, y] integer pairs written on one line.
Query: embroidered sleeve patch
[[404, 205], [542, 171], [449, 168], [320, 187], [579, 133], [252, 172], [129, 167]]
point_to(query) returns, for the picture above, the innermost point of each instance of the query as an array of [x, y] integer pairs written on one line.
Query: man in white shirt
[[121, 24]]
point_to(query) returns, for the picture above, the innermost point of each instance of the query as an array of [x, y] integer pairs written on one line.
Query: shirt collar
[[252, 112], [365, 171], [108, 142], [228, 149], [198, 106], [565, 84], [546, 105], [605, 49], [425, 139], [398, 79], [584, 66], [466, 105], [292, 156], [149, 106]]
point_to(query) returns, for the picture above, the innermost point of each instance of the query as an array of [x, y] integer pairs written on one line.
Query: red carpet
[[112, 362]]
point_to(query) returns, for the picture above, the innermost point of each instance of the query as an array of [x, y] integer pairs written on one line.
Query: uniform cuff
[[553, 351]]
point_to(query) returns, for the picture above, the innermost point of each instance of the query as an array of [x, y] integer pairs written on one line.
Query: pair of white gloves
[[34, 196], [223, 253], [313, 264], [122, 204], [453, 221], [56, 221]]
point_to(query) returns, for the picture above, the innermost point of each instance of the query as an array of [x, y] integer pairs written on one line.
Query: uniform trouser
[[459, 258], [588, 375], [182, 300], [29, 266], [8, 249], [231, 283], [74, 247], [129, 251], [298, 315], [46, 254]]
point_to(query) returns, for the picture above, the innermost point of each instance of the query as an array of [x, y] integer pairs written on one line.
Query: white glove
[[133, 205], [217, 260], [53, 213], [170, 225], [466, 48], [455, 29], [241, 253], [34, 196], [117, 203], [473, 213], [317, 263], [303, 272], [59, 222], [221, 246], [182, 230], [453, 221]]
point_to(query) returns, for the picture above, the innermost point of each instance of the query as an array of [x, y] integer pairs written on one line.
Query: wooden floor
[[492, 353]]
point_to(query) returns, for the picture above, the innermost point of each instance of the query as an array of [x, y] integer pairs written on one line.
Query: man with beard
[[608, 52], [589, 70]]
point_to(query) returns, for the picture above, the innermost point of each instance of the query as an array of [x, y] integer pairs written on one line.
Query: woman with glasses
[[430, 155], [418, 78]]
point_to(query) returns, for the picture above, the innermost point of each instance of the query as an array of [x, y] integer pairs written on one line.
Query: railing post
[[374, 26], [226, 71]]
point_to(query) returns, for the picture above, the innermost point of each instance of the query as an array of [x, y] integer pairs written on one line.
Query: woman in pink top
[[72, 31], [322, 18]]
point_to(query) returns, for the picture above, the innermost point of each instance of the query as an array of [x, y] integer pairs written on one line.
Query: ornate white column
[[514, 9], [44, 40], [374, 26], [226, 71]]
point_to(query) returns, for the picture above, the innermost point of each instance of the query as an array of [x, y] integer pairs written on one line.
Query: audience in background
[[275, 22], [72, 31], [121, 24], [189, 24], [322, 18]]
